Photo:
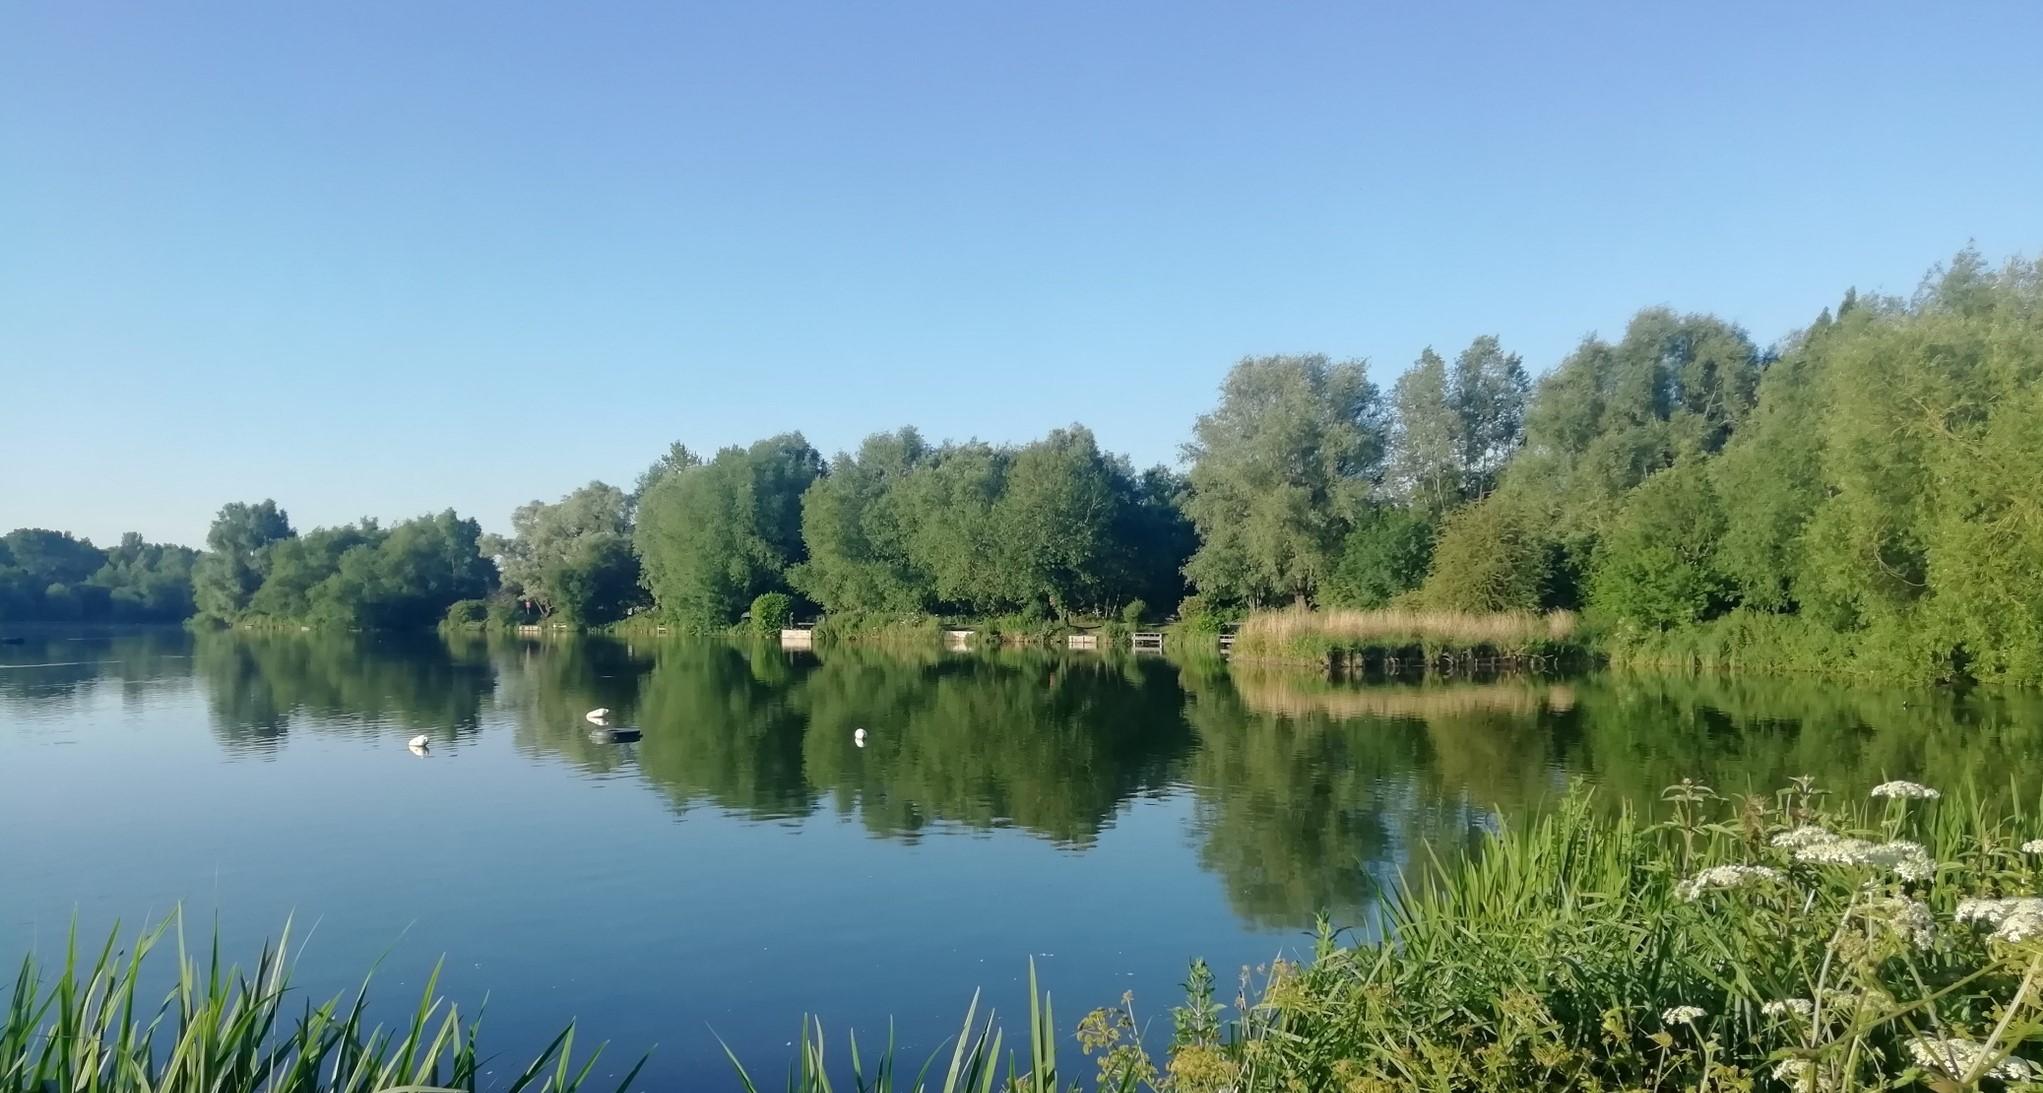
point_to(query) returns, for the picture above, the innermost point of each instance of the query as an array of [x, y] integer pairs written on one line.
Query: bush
[[466, 615], [1133, 612], [1489, 558], [772, 612]]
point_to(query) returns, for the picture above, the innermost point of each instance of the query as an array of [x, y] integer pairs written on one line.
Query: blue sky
[[382, 258]]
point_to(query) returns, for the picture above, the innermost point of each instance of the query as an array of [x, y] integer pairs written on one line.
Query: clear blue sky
[[382, 258]]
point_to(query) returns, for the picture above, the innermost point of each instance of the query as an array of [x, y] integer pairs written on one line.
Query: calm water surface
[[744, 862]]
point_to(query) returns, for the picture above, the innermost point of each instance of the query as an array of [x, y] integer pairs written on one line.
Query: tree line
[[51, 575], [1861, 494]]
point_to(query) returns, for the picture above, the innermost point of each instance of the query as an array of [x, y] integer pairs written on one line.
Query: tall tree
[[1489, 392], [1279, 470], [227, 577], [572, 556], [713, 536], [1428, 449], [856, 537]]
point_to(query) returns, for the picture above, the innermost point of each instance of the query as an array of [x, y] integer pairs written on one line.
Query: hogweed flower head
[[2033, 846], [1911, 919], [1805, 835], [1681, 1015], [1904, 859], [1790, 1007], [2014, 920], [1906, 790], [1958, 1058], [1724, 876]]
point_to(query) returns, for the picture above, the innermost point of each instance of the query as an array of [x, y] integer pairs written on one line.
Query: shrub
[[1133, 612], [1489, 558], [772, 612], [467, 614]]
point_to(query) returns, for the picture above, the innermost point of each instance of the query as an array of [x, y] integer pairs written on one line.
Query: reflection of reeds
[[1295, 696], [1293, 629]]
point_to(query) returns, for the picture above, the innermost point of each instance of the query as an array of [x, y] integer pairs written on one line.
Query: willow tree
[[713, 536], [1279, 471]]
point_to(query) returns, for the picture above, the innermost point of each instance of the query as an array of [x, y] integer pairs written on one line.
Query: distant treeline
[[1862, 496], [49, 575]]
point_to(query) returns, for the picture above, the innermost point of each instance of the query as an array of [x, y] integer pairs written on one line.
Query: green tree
[[1490, 389], [227, 577], [711, 537], [573, 556], [855, 535], [1656, 566], [1055, 525], [1428, 451], [148, 582], [1490, 556], [1279, 470], [1385, 556]]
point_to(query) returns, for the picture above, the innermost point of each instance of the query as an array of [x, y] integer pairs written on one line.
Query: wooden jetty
[[958, 639], [799, 637], [1088, 642], [1146, 641]]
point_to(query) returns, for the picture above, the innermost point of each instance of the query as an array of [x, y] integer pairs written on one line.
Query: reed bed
[[1298, 633]]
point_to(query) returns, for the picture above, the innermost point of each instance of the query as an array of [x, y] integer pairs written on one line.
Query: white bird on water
[[420, 744], [858, 737], [598, 715]]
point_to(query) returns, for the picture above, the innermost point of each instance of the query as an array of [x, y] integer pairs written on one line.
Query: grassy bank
[[1773, 942], [1411, 637], [1784, 941]]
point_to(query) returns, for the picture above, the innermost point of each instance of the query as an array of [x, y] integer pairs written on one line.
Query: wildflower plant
[[1798, 941]]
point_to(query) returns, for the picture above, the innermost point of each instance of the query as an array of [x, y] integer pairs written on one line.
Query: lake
[[745, 862]]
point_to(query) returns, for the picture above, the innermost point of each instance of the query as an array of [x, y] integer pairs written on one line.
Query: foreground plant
[[1757, 943], [220, 1030]]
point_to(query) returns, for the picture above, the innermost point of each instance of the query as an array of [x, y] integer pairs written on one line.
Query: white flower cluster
[[1805, 835], [1724, 876], [2033, 846], [2013, 920], [1904, 859], [1681, 1015], [1905, 789], [1957, 1058], [1909, 918], [1795, 1007]]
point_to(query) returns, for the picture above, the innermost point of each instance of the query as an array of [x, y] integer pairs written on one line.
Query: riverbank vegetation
[[1412, 635], [1858, 497], [1786, 941], [88, 1024]]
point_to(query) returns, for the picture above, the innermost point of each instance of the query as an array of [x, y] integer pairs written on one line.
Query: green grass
[[84, 1027]]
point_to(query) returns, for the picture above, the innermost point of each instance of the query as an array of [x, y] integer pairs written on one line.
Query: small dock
[[958, 639], [1146, 641], [1087, 642], [1226, 642], [799, 637]]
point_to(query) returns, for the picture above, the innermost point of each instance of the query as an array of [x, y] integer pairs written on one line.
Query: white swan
[[420, 744], [858, 737], [598, 715]]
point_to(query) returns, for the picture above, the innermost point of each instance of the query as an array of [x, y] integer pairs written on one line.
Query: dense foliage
[[51, 576], [259, 571], [1861, 497]]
